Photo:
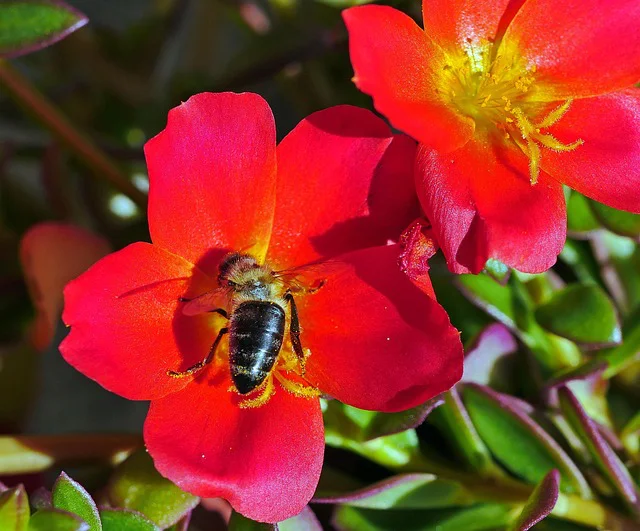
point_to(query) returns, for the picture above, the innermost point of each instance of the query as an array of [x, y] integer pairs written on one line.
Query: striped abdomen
[[255, 337]]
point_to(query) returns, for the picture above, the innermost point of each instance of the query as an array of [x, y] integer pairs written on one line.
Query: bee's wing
[[209, 301], [311, 277]]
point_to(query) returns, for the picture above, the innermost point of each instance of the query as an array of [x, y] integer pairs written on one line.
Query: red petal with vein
[[212, 177], [265, 461], [607, 166], [452, 22], [126, 327], [51, 255], [582, 47], [482, 206], [394, 61], [377, 342], [344, 181]]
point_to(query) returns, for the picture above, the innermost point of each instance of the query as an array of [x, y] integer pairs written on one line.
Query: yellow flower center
[[501, 94]]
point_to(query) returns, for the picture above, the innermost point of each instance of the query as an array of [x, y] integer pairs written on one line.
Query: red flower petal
[[213, 175], [394, 61], [344, 181], [607, 166], [482, 205], [265, 461], [584, 47], [126, 329], [377, 342], [454, 21], [51, 255]]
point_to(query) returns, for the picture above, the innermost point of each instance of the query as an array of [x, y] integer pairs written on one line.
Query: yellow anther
[[297, 389], [555, 114], [266, 389]]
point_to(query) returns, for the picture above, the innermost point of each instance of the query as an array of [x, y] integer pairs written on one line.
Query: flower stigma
[[501, 93]]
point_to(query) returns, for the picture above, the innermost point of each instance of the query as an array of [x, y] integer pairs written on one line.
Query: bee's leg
[[311, 290], [204, 362], [217, 310], [294, 329]]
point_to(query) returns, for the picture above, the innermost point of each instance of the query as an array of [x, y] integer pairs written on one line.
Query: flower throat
[[502, 96]]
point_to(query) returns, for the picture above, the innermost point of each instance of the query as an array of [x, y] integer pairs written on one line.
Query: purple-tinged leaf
[[56, 520], [242, 523], [14, 509], [492, 345], [590, 371], [589, 386], [30, 25], [582, 313], [604, 457], [125, 520], [452, 418], [41, 499], [305, 521], [136, 485], [540, 504], [406, 491], [3, 487], [518, 442], [68, 495], [383, 424]]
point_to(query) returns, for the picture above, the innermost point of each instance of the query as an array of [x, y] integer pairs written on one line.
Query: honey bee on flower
[[235, 221], [509, 99]]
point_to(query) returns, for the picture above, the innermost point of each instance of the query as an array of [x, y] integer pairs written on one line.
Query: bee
[[255, 300]]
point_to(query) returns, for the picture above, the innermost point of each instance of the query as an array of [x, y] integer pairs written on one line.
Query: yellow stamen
[[504, 97], [266, 390], [297, 389]]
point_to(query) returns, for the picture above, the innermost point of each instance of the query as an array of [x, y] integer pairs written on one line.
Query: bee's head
[[232, 267]]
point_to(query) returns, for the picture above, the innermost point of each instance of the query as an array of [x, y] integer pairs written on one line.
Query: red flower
[[509, 100], [342, 187]]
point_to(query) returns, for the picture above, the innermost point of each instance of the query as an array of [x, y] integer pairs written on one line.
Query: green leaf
[[405, 491], [14, 509], [453, 419], [581, 313], [306, 520], [580, 216], [518, 442], [123, 520], [619, 259], [242, 523], [68, 495], [497, 271], [485, 292], [483, 517], [630, 435], [618, 221], [347, 427], [55, 520], [27, 26], [540, 504], [136, 485], [602, 454]]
